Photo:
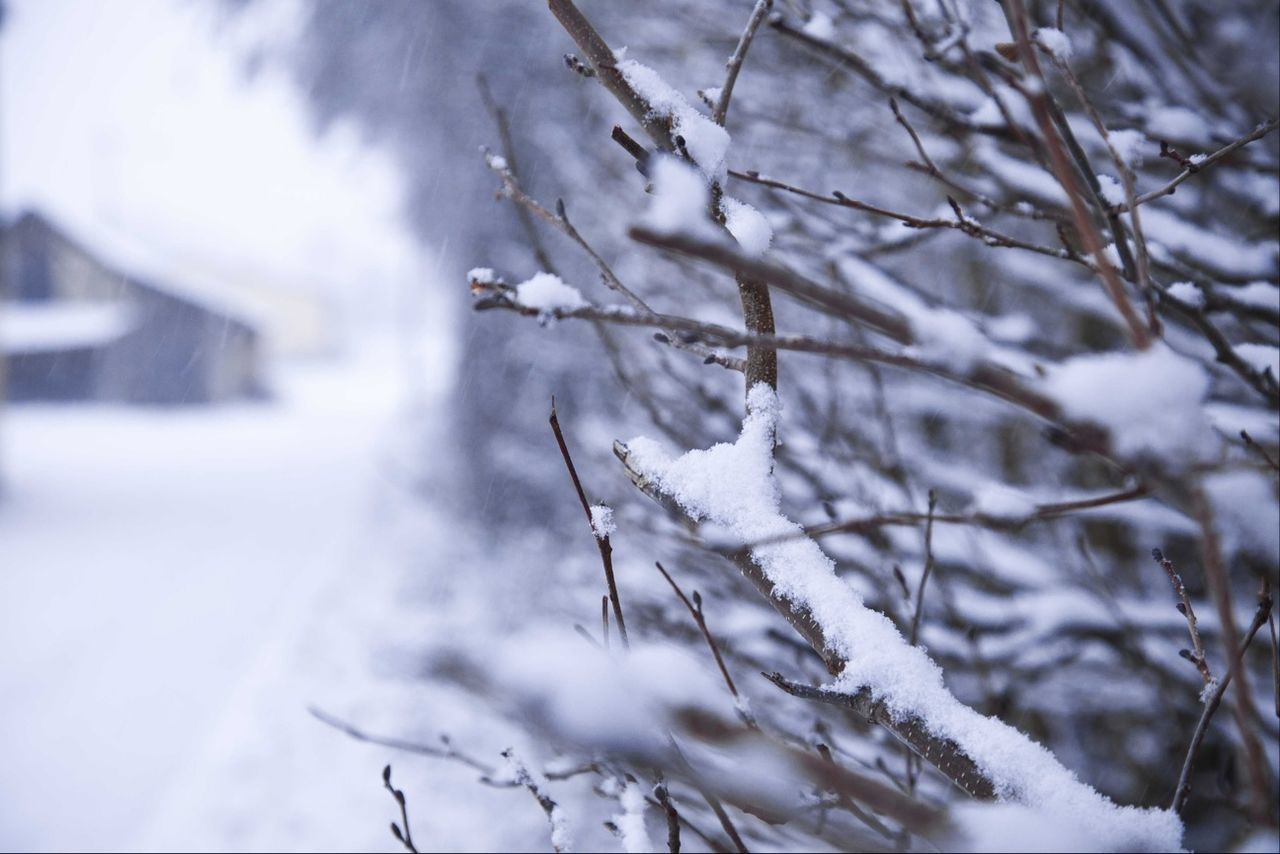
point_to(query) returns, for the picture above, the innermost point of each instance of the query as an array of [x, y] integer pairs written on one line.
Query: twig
[[1262, 615], [673, 818], [1196, 656], [446, 752], [1261, 451], [944, 754], [555, 817], [695, 610], [602, 541], [509, 153], [734, 66], [1242, 705], [928, 569], [1168, 189], [604, 619], [404, 837]]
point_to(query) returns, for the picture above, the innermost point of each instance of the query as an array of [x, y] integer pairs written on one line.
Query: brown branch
[[1036, 97], [673, 818], [944, 754], [928, 569], [1242, 707], [988, 236], [757, 310], [734, 66], [1196, 656], [549, 806], [1262, 615], [695, 611], [602, 541], [1168, 189]]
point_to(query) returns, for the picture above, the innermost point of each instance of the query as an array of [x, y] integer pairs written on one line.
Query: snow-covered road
[[162, 574]]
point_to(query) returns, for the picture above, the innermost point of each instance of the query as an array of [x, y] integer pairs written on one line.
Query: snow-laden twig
[[733, 485]]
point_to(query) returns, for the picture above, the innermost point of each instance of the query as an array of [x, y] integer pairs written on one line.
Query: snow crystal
[[1188, 293], [1128, 144], [547, 293], [482, 275], [679, 202], [706, 142], [747, 225], [1260, 357], [630, 822], [1002, 502], [1055, 41], [602, 521], [947, 339], [734, 485], [1150, 402], [1112, 192], [820, 26]]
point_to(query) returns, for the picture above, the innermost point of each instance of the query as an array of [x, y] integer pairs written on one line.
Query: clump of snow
[[1178, 123], [1260, 357], [1128, 144], [482, 275], [1055, 41], [1257, 295], [630, 822], [712, 93], [602, 521], [1112, 192], [1188, 293], [582, 695], [706, 142], [1244, 510], [679, 201], [497, 161], [733, 485], [947, 339], [1002, 502], [747, 225], [1010, 328], [820, 26], [546, 292], [1150, 402], [561, 834]]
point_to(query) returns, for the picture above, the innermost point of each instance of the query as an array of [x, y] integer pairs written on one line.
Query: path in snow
[[175, 587]]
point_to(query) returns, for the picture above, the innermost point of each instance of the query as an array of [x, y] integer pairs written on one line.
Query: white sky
[[135, 119]]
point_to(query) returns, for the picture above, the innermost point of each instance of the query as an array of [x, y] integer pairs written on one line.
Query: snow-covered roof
[[143, 265], [50, 327]]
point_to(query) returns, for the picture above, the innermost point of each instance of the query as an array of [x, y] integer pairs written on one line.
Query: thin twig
[[1196, 656], [1261, 451], [928, 569], [734, 66], [602, 541], [1261, 616], [673, 818], [695, 610], [404, 837]]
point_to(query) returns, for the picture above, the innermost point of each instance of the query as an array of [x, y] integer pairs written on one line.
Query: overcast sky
[[136, 119]]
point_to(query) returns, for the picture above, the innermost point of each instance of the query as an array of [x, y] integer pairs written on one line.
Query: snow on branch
[[733, 486]]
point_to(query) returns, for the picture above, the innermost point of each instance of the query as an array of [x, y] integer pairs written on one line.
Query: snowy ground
[[176, 587]]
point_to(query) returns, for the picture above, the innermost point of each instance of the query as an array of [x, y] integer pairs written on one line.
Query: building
[[74, 327]]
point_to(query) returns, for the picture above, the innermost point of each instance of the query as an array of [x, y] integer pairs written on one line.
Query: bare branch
[[761, 9]]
